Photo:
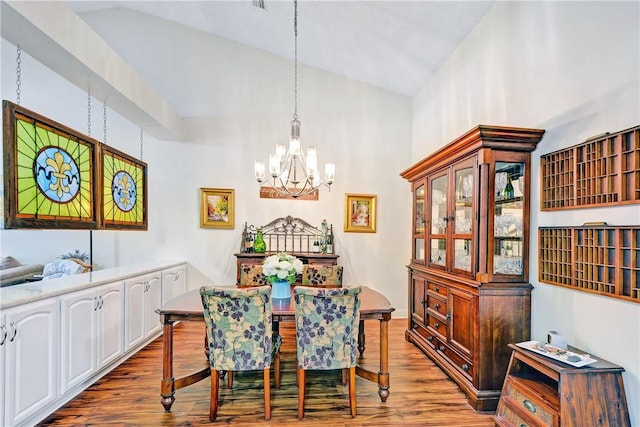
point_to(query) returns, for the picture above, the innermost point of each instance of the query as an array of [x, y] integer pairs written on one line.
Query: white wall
[[248, 96], [571, 68]]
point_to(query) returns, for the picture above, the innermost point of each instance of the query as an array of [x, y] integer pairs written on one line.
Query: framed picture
[[360, 213], [217, 208]]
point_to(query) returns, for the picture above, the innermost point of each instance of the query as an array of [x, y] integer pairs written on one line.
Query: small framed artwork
[[217, 208], [360, 213]]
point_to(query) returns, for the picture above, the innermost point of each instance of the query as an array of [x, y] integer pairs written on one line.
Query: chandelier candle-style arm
[[294, 173]]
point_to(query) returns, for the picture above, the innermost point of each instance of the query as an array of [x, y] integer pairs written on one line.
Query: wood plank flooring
[[421, 394]]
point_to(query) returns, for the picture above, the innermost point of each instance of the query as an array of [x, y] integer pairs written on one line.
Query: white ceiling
[[406, 40]]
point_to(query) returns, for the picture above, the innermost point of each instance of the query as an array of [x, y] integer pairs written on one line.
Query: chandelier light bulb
[[329, 173], [258, 168]]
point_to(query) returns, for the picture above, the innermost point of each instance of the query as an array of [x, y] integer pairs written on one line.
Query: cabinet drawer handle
[[530, 406], [436, 325], [4, 334], [429, 338], [436, 306], [15, 331], [465, 367], [441, 348], [437, 289]]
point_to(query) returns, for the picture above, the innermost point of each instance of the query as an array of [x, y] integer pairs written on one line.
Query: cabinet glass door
[[463, 218], [419, 218], [439, 220], [508, 218]]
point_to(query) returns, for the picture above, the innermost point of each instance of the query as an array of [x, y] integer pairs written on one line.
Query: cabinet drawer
[[438, 289], [428, 335], [437, 326], [524, 401], [463, 365], [437, 305], [507, 416]]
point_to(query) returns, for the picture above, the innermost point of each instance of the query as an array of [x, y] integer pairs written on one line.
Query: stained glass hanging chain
[[18, 73], [89, 112], [104, 116], [141, 143]]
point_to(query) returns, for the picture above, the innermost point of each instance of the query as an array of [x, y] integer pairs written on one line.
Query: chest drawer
[[437, 326], [437, 305], [435, 288], [523, 399], [461, 363]]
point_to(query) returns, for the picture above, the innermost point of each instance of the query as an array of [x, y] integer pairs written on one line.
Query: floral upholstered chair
[[323, 276], [240, 338], [251, 275], [327, 321]]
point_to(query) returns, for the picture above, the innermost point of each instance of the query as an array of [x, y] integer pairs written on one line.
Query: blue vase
[[280, 289]]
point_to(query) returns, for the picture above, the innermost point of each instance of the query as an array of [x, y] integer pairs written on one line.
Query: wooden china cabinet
[[469, 294]]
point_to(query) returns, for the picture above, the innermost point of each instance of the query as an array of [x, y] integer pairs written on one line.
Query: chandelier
[[293, 172]]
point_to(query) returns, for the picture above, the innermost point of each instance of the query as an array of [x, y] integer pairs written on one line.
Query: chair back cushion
[[322, 275], [251, 275], [327, 322], [238, 323]]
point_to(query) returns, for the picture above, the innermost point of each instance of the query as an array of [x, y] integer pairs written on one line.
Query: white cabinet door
[[3, 344], [110, 324], [78, 328], [153, 301], [143, 295], [174, 282], [31, 359]]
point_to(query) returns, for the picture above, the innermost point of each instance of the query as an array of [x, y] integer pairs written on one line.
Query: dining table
[[188, 307]]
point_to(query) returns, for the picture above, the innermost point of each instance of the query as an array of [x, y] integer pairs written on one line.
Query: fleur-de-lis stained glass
[[49, 171], [124, 189]]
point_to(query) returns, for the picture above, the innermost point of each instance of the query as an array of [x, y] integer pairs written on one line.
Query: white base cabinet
[[174, 282], [31, 350], [92, 334], [143, 296]]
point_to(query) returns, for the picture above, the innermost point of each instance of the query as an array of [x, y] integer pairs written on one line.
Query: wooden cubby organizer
[[599, 259], [604, 170]]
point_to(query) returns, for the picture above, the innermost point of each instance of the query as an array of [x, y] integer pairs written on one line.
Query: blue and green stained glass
[[49, 173], [123, 190]]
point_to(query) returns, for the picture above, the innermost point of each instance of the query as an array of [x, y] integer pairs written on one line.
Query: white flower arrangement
[[281, 266]]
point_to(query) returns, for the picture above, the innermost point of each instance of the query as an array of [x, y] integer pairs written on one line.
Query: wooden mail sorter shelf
[[604, 170], [598, 259], [539, 391]]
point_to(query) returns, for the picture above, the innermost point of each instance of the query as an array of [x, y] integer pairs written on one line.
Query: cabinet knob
[[429, 338], [530, 406], [465, 367], [441, 348], [436, 306], [437, 289], [436, 325]]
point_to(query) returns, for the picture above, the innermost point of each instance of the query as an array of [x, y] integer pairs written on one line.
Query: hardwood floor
[[421, 394]]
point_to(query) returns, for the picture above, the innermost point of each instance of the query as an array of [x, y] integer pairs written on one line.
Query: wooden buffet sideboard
[[469, 291]]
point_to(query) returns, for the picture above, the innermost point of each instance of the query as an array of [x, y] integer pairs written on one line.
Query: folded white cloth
[[61, 267]]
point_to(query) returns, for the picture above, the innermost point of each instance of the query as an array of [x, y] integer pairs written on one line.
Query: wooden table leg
[[167, 386], [361, 338], [383, 375]]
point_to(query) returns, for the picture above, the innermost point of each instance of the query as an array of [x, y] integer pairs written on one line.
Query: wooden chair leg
[[213, 404], [301, 386], [229, 379], [352, 390], [267, 394], [344, 376]]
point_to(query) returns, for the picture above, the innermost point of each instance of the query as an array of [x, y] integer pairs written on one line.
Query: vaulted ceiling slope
[[393, 45]]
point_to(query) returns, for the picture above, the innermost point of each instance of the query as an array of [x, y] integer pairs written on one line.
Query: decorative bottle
[[329, 244], [259, 246], [508, 189], [316, 245]]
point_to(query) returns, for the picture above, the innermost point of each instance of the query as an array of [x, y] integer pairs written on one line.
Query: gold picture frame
[[360, 213], [217, 208]]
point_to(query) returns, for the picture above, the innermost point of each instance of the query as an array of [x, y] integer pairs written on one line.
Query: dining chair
[[251, 275], [327, 322], [322, 275], [240, 338]]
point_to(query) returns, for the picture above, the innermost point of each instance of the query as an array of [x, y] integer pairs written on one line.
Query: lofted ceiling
[[397, 46], [393, 45]]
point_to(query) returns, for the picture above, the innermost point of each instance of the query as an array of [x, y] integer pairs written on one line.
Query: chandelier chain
[[104, 117], [141, 142], [18, 73], [89, 112], [295, 59]]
